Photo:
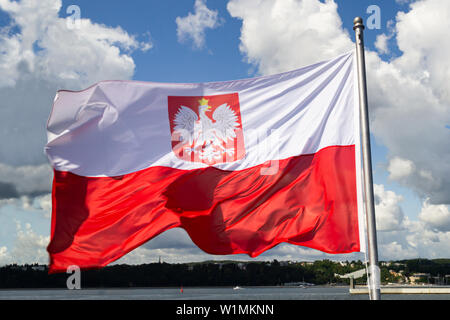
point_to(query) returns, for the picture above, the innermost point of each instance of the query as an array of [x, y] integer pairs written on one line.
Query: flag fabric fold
[[240, 165]]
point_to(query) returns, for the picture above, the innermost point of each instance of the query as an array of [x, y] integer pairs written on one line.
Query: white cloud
[[389, 214], [435, 216], [282, 35], [4, 256], [25, 229], [421, 35], [396, 251], [382, 43], [382, 40], [145, 46], [39, 54], [193, 26], [410, 98], [83, 55], [29, 246], [400, 168]]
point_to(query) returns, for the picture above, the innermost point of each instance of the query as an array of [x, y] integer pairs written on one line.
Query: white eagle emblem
[[204, 136]]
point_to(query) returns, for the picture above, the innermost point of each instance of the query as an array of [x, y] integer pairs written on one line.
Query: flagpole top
[[358, 23]]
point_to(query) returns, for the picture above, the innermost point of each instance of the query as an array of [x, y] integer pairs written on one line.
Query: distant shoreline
[[230, 287], [227, 274]]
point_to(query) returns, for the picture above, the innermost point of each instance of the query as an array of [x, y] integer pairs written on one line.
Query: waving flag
[[240, 165]]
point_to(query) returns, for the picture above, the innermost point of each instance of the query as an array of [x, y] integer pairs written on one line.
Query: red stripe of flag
[[309, 201]]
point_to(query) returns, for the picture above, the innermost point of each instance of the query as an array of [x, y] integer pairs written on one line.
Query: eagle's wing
[[184, 123], [226, 121]]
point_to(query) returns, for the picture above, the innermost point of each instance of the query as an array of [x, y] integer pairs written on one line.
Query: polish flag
[[240, 165]]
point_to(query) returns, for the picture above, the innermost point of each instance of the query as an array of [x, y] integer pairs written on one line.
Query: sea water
[[206, 293]]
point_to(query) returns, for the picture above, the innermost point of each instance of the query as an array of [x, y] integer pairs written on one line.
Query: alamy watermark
[[374, 20], [73, 20], [74, 280]]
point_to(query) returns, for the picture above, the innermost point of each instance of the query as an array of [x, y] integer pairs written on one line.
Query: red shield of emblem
[[206, 129]]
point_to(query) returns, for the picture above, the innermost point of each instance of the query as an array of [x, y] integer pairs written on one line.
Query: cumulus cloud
[[29, 247], [396, 251], [382, 43], [46, 46], [40, 55], [435, 216], [421, 37], [25, 229], [278, 36], [410, 99], [400, 168], [4, 256], [193, 26], [389, 214]]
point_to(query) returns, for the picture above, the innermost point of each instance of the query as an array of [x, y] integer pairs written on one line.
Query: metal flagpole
[[374, 270]]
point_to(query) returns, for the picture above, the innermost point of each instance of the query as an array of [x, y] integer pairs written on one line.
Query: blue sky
[[409, 101], [172, 61], [169, 60]]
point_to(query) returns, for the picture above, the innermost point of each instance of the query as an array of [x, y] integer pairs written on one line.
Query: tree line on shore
[[215, 273]]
